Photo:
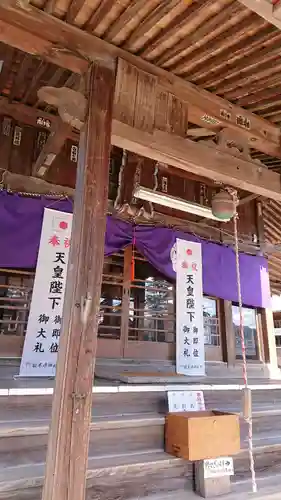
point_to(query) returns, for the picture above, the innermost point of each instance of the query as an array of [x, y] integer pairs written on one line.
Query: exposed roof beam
[[51, 149], [26, 184], [247, 199], [26, 114], [265, 9], [69, 47], [200, 159]]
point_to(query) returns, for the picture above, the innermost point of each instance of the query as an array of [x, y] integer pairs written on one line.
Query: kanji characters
[[60, 257], [43, 318], [57, 272], [41, 333], [54, 241], [56, 287], [38, 347]]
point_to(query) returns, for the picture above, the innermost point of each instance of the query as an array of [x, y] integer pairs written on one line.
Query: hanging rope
[[247, 414]]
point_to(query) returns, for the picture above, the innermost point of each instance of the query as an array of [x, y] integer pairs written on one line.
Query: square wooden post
[[269, 343], [229, 333], [67, 455]]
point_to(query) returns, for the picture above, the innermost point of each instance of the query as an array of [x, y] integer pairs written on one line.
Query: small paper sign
[[185, 401], [218, 467]]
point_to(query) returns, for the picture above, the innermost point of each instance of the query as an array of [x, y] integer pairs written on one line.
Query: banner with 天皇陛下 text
[[189, 309], [44, 323]]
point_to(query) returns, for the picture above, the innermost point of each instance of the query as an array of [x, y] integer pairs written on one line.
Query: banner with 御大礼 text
[[44, 323], [189, 309]]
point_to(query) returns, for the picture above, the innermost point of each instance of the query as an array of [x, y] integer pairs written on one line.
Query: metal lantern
[[223, 206]]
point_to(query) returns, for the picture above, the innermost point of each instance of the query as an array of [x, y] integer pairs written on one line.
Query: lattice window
[[15, 297], [150, 315], [211, 321], [111, 297], [250, 331], [277, 328], [152, 305]]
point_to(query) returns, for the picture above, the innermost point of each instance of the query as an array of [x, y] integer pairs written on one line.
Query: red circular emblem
[[63, 225], [189, 252]]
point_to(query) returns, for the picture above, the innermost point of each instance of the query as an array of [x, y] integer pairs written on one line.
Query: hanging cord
[[247, 414]]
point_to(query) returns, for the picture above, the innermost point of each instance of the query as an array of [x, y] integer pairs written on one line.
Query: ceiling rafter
[[72, 48]]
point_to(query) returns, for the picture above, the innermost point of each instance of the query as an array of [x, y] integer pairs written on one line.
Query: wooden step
[[126, 443], [128, 475], [111, 404], [24, 440], [109, 477]]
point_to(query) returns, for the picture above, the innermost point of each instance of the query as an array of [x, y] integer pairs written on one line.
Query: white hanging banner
[[43, 329], [189, 310]]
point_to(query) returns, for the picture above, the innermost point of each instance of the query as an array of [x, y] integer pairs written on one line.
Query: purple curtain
[[219, 269], [21, 221]]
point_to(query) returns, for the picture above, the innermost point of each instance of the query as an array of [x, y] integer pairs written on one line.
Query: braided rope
[[247, 418]]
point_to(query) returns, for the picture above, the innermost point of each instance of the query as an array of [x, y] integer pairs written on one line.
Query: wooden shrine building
[[101, 101]]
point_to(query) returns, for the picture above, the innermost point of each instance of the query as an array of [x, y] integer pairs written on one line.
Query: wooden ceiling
[[219, 45], [272, 236]]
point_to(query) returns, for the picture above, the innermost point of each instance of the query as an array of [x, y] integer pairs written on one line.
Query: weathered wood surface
[[47, 33], [71, 412], [126, 443]]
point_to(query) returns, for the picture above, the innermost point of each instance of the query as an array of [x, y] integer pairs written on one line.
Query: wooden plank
[[47, 33], [22, 183], [125, 92], [161, 109], [228, 330], [128, 255], [268, 336], [68, 446], [51, 149], [200, 159], [21, 153], [41, 68], [177, 116], [20, 77], [145, 102], [6, 140], [265, 9], [31, 116]]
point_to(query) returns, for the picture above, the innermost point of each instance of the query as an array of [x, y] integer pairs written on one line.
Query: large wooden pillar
[[67, 455]]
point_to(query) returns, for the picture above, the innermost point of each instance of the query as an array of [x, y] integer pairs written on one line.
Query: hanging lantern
[[223, 205]]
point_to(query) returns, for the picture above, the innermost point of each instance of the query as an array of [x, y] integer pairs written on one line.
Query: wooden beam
[[229, 333], [31, 116], [200, 159], [69, 47], [22, 183], [247, 199], [175, 152], [269, 345], [51, 149], [67, 455], [265, 9]]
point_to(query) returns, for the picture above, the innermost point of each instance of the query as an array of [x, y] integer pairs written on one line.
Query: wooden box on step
[[200, 435]]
